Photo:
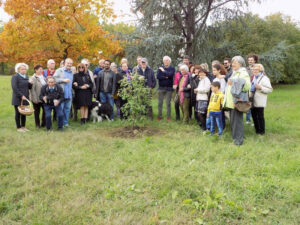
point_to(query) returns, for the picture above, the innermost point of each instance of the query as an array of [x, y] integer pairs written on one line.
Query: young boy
[[214, 111]]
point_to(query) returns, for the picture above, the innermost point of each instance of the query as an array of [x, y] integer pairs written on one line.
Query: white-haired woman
[[260, 88], [50, 68], [185, 93], [240, 78], [20, 91]]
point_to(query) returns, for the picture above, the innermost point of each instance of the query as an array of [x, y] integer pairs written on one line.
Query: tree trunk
[[2, 68]]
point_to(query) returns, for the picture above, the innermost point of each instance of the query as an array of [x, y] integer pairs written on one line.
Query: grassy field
[[179, 176]]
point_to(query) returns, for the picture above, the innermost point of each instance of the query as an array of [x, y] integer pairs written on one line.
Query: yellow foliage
[[43, 29]]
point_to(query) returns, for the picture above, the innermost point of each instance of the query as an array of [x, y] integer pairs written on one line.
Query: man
[[64, 77], [150, 80], [106, 85], [165, 76], [50, 68], [186, 60], [124, 60], [227, 66], [99, 68], [52, 96], [252, 60], [139, 64]]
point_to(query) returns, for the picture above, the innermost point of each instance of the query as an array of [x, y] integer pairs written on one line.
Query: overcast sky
[[287, 7]]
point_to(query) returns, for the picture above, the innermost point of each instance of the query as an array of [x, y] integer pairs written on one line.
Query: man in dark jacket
[[106, 86], [165, 75], [228, 68], [150, 80], [52, 96]]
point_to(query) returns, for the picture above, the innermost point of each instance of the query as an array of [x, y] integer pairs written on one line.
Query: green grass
[[84, 176]]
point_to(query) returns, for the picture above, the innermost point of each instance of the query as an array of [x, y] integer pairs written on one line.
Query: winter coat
[[260, 96], [203, 89], [165, 78], [20, 87], [36, 89], [150, 80]]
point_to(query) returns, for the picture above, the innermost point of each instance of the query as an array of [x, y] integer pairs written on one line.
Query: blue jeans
[[216, 116], [66, 108], [48, 109], [107, 98], [248, 116]]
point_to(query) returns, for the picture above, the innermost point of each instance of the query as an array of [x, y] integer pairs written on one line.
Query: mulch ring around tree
[[135, 132]]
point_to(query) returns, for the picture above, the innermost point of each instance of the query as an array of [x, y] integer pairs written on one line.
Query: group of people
[[209, 97]]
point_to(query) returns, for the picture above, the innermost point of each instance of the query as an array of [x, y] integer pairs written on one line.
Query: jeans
[[107, 98], [248, 116], [216, 116], [66, 108], [118, 103], [161, 95], [60, 116]]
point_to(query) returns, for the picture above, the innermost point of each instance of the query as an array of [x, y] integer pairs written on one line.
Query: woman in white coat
[[260, 88]]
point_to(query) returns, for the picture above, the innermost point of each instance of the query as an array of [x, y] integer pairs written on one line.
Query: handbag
[[243, 106]]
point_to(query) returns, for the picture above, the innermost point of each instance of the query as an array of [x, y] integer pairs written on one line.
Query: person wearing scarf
[[20, 91], [185, 93], [38, 81], [260, 88]]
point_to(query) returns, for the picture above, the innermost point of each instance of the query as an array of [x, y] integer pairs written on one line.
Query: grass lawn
[[179, 176]]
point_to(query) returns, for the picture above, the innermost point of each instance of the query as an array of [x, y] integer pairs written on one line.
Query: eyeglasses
[[81, 67]]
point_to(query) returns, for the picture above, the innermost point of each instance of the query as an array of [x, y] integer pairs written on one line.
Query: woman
[[20, 86], [124, 73], [240, 75], [38, 81], [218, 71], [260, 88], [202, 97], [83, 87], [114, 68], [194, 85], [185, 93]]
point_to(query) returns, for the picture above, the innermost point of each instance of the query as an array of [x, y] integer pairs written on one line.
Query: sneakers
[[169, 119], [248, 122], [21, 130], [159, 118]]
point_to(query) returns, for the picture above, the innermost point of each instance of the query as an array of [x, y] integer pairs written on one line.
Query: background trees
[[42, 29]]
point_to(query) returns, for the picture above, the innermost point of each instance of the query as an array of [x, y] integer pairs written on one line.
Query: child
[[214, 108]]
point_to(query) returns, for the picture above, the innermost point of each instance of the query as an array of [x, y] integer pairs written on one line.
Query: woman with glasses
[[83, 87]]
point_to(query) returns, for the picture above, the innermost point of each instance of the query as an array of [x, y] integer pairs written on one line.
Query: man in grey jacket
[[106, 85], [64, 77]]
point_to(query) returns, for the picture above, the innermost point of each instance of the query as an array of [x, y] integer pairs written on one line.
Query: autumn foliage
[[43, 29]]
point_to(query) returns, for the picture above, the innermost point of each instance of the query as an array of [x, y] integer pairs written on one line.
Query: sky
[[267, 7]]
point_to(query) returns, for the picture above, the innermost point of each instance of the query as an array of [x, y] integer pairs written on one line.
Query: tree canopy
[[41, 29]]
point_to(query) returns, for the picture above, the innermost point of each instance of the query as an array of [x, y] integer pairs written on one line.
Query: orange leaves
[[43, 29]]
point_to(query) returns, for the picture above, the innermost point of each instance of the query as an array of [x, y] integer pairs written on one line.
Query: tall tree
[[42, 29], [181, 24]]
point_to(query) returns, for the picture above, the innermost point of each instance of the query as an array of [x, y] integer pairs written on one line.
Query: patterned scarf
[[182, 85]]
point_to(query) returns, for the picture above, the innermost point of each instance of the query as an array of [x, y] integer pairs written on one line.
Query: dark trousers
[[237, 126], [258, 119], [177, 110], [37, 110], [19, 118], [122, 103], [202, 120], [59, 113]]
